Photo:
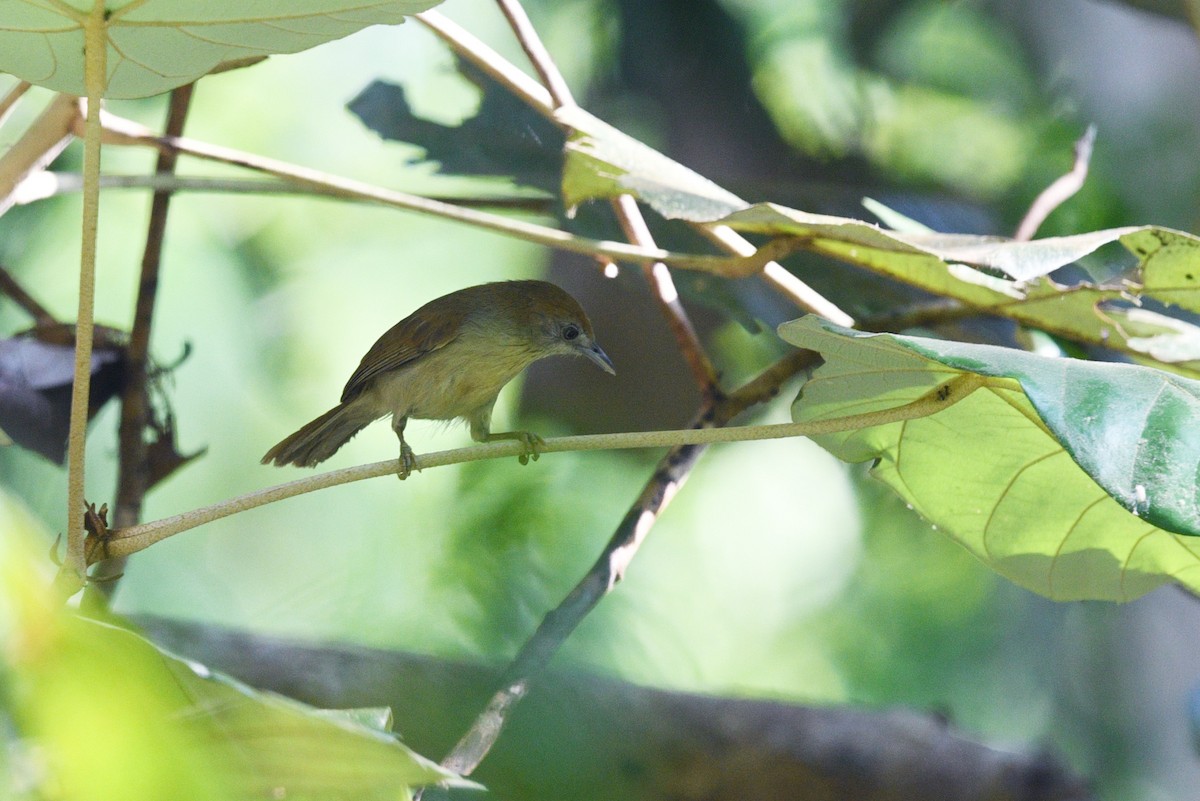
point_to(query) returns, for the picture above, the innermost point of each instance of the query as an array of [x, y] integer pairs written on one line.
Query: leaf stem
[[135, 538], [74, 568]]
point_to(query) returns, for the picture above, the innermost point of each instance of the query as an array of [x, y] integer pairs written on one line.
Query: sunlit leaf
[[1074, 479], [603, 162], [156, 45]]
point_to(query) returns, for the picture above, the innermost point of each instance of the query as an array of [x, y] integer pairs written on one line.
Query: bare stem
[[139, 537], [52, 184], [539, 56], [545, 101], [666, 297], [1061, 190], [632, 222]]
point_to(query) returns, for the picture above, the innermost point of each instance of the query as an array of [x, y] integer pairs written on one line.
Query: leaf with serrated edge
[[1015, 470], [157, 45]]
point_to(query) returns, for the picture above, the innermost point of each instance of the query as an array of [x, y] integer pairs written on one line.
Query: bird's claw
[[407, 462], [530, 446]]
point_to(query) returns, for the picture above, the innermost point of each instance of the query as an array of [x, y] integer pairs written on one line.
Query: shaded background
[[777, 573]]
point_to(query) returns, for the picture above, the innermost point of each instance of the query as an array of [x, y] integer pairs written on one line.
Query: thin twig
[[52, 184], [666, 297], [39, 313], [1061, 190], [777, 277], [539, 56], [9, 101], [141, 536], [125, 132], [133, 469]]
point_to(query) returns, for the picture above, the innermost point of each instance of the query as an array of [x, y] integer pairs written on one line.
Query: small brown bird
[[449, 359]]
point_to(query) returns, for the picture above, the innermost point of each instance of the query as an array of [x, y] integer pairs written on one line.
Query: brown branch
[[671, 473], [1061, 190], [539, 56], [39, 145], [133, 469], [9, 286], [541, 100]]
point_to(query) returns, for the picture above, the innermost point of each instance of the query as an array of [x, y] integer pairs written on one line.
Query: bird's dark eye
[[570, 332]]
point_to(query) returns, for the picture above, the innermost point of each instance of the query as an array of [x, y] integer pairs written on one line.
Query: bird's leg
[[407, 459], [481, 424]]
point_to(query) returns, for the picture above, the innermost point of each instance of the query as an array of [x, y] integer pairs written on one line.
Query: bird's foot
[[407, 462], [531, 445]]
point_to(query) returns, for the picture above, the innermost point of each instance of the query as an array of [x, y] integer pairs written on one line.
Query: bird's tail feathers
[[319, 439]]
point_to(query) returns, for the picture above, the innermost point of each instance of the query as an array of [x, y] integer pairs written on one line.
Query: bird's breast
[[450, 382]]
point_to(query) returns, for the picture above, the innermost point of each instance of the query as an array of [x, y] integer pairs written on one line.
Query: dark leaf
[[36, 369]]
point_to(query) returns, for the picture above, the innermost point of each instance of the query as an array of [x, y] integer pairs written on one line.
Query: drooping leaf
[[36, 372], [157, 45], [1074, 479]]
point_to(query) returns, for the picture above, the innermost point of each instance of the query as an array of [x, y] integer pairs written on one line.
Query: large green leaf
[[1074, 479], [156, 45]]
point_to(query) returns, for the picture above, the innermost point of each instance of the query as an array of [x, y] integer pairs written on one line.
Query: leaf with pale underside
[[1075, 479], [157, 45], [1168, 270], [993, 274]]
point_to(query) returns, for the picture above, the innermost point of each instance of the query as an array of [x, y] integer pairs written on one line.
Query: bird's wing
[[409, 339]]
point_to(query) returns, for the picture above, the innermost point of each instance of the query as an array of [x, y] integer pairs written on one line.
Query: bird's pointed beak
[[596, 354]]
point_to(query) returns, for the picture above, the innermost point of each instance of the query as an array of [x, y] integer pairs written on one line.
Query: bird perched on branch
[[449, 359]]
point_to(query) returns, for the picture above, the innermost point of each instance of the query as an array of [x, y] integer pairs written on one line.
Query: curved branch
[[130, 540]]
